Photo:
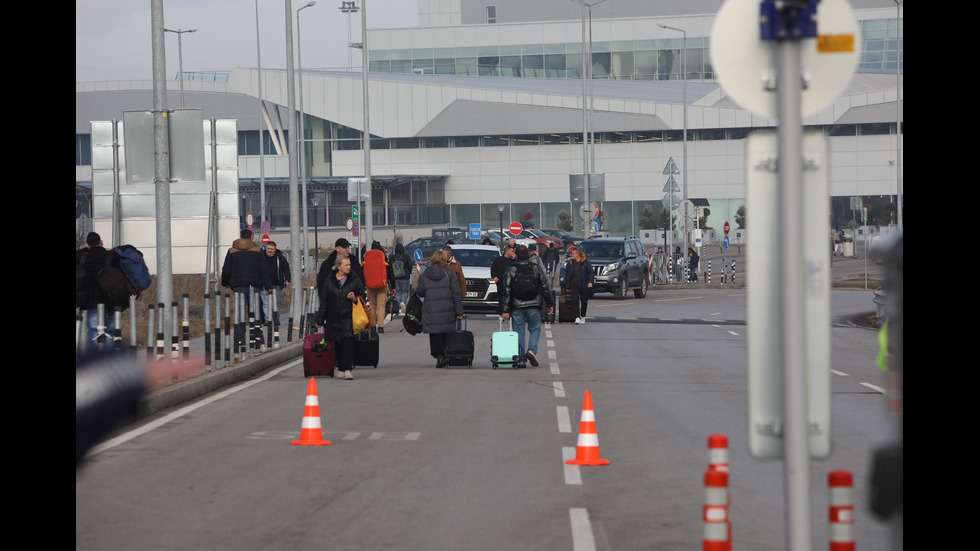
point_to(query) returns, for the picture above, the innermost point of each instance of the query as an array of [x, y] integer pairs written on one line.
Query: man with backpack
[[279, 274], [88, 294], [377, 275], [401, 269], [525, 291]]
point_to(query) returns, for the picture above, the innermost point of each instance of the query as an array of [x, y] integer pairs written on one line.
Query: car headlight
[[611, 267]]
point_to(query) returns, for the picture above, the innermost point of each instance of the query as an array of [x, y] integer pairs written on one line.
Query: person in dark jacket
[[245, 269], [402, 278], [341, 250], [279, 274], [337, 298], [577, 278], [442, 304], [693, 259], [526, 311], [93, 258]]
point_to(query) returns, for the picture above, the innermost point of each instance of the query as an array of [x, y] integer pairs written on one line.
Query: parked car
[[427, 245], [620, 264], [567, 239], [481, 291], [543, 238]]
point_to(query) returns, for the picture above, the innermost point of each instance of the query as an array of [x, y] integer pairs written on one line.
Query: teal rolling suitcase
[[504, 348]]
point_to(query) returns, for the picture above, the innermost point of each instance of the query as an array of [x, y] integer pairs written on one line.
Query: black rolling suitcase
[[460, 347], [367, 348], [545, 316], [566, 308]]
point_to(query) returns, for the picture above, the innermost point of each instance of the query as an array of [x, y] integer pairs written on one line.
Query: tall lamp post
[[349, 7], [180, 57], [684, 173], [586, 76], [302, 136], [500, 209]]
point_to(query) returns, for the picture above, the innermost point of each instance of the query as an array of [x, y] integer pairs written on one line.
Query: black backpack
[[524, 286], [413, 315], [115, 285]]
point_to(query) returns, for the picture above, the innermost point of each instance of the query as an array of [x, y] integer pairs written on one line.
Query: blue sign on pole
[[726, 241], [595, 225], [474, 231], [418, 255]]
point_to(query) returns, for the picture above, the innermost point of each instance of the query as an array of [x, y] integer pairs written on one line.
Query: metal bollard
[[160, 321], [150, 320], [707, 275], [207, 330], [117, 328], [841, 510], [186, 323], [227, 328]]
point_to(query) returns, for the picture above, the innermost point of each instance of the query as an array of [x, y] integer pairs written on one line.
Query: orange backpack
[[375, 269]]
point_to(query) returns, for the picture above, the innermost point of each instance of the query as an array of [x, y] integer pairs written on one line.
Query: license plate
[[471, 294]]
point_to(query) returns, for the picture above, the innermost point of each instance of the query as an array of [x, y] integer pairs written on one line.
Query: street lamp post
[[349, 7], [302, 136], [684, 92], [180, 57], [500, 209]]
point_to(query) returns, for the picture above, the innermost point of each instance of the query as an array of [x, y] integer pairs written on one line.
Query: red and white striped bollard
[[841, 510], [717, 528]]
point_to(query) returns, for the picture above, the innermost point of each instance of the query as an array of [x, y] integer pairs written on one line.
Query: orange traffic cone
[[311, 434], [587, 452]]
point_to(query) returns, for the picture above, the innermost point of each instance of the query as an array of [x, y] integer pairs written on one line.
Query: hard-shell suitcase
[[504, 348], [367, 348], [460, 346], [566, 308], [545, 316], [318, 356]]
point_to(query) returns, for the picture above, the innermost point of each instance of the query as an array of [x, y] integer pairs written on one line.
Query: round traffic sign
[[350, 224], [249, 220], [266, 226], [727, 228], [418, 255], [686, 208], [746, 65], [516, 228], [265, 239]]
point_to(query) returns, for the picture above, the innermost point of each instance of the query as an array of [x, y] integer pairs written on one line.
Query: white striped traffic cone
[[311, 434], [587, 452]]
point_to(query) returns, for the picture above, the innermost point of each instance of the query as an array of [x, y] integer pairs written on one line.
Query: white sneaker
[[579, 321], [401, 306], [583, 321], [348, 376]]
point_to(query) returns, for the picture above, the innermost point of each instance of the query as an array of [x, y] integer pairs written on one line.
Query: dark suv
[[619, 263]]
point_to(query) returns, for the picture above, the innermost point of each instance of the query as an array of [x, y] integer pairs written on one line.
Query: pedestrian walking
[[526, 292], [337, 298], [442, 304], [577, 279]]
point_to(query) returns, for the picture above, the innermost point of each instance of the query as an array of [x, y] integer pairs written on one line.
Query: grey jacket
[[441, 301]]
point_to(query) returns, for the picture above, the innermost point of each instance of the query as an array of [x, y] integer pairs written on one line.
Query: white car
[[481, 291]]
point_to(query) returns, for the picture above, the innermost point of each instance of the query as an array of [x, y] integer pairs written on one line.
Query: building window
[[491, 14]]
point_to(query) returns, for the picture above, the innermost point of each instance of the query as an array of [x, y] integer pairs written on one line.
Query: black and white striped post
[[227, 339], [186, 327], [150, 322], [161, 313]]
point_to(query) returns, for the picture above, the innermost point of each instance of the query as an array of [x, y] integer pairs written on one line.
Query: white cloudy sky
[[112, 37]]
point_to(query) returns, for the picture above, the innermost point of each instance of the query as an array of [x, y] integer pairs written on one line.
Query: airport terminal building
[[482, 105]]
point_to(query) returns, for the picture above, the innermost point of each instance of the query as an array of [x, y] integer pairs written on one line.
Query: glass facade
[[654, 59]]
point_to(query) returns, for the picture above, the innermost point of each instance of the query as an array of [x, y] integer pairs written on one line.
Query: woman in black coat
[[442, 304], [337, 299]]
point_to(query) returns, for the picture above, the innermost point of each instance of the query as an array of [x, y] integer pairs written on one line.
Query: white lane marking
[[126, 437], [573, 474], [564, 422], [625, 303], [559, 389], [875, 388], [841, 373], [547, 334], [554, 369], [552, 355], [733, 333], [551, 343], [582, 538]]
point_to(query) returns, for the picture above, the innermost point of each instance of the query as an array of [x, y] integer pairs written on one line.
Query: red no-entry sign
[[516, 228], [727, 227]]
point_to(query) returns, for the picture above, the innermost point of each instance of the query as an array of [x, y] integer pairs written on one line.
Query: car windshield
[[602, 250], [482, 258]]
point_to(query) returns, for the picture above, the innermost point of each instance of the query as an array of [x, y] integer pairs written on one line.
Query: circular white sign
[[350, 224], [746, 65]]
